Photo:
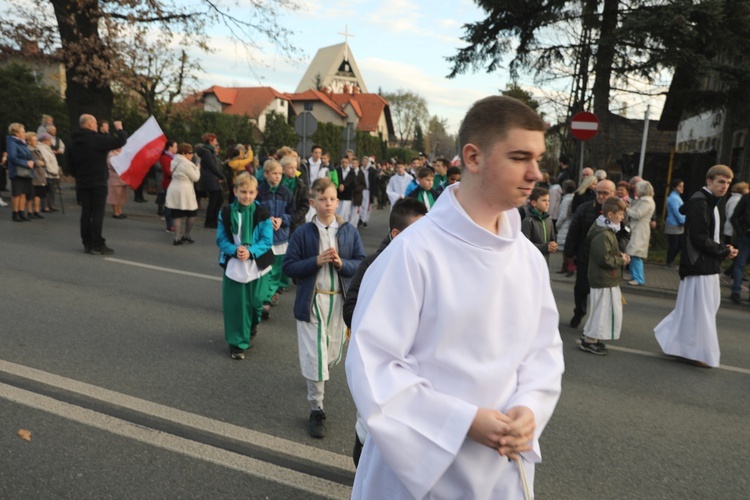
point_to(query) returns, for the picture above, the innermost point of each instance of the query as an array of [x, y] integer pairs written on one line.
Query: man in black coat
[[577, 250], [741, 224], [211, 178], [88, 164]]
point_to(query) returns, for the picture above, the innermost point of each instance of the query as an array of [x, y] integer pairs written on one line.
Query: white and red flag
[[140, 153]]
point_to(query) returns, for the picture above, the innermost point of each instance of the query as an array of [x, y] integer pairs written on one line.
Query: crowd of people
[[443, 383], [604, 228]]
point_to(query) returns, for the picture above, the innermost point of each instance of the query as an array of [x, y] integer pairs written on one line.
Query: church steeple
[[333, 67]]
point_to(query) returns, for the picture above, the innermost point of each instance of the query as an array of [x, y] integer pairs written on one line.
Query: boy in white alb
[[323, 255], [398, 183], [456, 371]]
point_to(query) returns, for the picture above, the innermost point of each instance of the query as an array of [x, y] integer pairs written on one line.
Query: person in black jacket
[[689, 331], [294, 180], [577, 250], [211, 178], [405, 212], [741, 223], [88, 164]]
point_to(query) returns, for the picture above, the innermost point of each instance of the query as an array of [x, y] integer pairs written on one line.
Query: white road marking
[[177, 444], [163, 269], [611, 347], [186, 419]]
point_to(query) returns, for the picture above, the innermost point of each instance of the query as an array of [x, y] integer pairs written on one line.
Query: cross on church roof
[[346, 40]]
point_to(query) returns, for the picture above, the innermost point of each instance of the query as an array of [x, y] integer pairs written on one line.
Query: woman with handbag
[[20, 170]]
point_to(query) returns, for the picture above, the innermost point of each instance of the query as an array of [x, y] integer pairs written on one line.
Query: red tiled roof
[[369, 108], [224, 95], [249, 101], [316, 95]]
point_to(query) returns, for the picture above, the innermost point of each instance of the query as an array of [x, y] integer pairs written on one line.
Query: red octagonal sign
[[584, 125]]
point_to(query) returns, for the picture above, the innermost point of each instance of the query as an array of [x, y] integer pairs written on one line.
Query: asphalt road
[[119, 369]]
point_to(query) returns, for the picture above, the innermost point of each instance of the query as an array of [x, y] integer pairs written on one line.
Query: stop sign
[[584, 125]]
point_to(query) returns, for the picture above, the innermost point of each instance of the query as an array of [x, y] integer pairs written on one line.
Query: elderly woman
[[585, 192], [39, 182], [20, 170], [52, 170], [563, 224], [640, 213], [181, 199]]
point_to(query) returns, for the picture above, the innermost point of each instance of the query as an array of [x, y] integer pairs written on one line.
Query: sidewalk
[[660, 282]]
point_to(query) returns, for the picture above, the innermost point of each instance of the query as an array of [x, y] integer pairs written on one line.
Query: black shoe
[[102, 250], [187, 239], [254, 331], [22, 216], [120, 216], [569, 274], [37, 215], [177, 242], [315, 425], [266, 313], [735, 298], [597, 348], [364, 224], [140, 200], [357, 451], [236, 353], [575, 321], [16, 217]]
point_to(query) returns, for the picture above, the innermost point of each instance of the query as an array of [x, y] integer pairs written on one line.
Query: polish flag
[[140, 153]]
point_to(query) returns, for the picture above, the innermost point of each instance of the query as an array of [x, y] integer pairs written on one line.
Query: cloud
[[445, 98]]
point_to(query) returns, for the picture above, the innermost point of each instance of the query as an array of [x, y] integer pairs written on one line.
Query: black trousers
[[675, 242], [581, 290], [215, 200], [93, 200]]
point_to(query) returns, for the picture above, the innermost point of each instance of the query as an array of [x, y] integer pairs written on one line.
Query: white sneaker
[[2, 203]]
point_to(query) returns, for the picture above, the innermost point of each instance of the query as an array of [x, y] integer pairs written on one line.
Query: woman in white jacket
[[563, 224], [180, 197], [640, 213]]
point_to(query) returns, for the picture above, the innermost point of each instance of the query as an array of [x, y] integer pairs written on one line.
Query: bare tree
[[407, 110], [92, 37]]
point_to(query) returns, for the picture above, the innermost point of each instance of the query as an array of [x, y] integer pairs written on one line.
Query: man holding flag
[[88, 163]]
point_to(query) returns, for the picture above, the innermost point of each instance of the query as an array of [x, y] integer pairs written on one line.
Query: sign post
[[583, 126], [305, 125]]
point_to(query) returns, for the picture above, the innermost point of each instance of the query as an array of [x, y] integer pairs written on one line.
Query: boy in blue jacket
[[322, 256], [245, 238], [279, 201]]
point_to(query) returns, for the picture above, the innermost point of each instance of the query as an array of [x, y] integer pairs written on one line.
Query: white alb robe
[[689, 331], [605, 314], [434, 344], [397, 187], [321, 341]]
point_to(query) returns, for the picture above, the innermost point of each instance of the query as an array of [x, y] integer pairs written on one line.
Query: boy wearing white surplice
[[322, 256], [689, 331], [605, 274], [456, 371]]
